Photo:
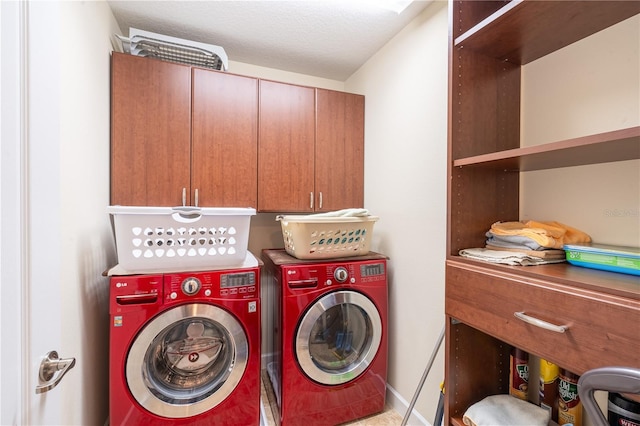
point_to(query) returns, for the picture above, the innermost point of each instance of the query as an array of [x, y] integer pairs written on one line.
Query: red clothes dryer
[[330, 350], [185, 348]]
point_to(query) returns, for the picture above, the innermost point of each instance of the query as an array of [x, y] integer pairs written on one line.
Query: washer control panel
[[238, 284], [191, 286], [241, 284], [237, 279]]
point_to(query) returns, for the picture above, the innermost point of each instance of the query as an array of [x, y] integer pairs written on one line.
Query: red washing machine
[[330, 337], [185, 348]]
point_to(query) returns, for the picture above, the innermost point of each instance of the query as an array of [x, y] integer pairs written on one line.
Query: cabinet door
[[286, 147], [224, 140], [150, 131], [339, 179]]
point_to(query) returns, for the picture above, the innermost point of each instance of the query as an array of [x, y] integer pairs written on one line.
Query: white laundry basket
[[326, 237], [162, 238]]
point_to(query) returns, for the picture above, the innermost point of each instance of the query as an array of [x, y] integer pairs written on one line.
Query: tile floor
[[389, 417]]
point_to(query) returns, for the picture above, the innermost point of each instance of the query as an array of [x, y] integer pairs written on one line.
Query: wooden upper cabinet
[[339, 166], [224, 136], [179, 131], [150, 131], [187, 135], [286, 147], [311, 149]]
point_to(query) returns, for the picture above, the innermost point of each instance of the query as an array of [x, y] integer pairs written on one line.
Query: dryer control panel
[[372, 271], [327, 274]]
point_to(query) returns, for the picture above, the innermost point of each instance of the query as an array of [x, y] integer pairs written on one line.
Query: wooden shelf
[[606, 147], [525, 30], [565, 276]]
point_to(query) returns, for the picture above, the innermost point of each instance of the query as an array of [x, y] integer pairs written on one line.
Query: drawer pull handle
[[539, 323]]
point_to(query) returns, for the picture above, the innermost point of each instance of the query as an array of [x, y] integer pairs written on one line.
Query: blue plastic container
[[606, 257]]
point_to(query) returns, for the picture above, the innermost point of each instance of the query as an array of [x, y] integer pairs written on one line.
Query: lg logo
[[119, 284]]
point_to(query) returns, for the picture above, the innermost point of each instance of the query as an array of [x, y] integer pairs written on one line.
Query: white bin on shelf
[[326, 237], [164, 238]]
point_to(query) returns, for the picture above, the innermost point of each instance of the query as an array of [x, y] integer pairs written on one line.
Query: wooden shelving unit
[[618, 145], [521, 31], [489, 43]]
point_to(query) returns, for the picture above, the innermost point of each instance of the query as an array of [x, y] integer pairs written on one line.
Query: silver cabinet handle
[[540, 323], [320, 207], [50, 365], [196, 201], [311, 200], [184, 197]]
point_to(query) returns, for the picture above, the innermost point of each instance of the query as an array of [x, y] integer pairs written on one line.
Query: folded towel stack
[[505, 410], [535, 235], [549, 254], [506, 257], [344, 213], [526, 243]]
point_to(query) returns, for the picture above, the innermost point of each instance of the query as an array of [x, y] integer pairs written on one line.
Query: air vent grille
[[171, 49]]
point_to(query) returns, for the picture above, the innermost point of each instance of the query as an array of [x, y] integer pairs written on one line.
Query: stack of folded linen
[[526, 243], [505, 410], [534, 235], [354, 212], [506, 257]]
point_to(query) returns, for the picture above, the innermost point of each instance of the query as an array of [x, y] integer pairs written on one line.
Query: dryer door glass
[[187, 360], [338, 337]]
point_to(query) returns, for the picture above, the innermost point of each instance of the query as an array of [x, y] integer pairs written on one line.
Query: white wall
[[405, 85], [589, 87], [86, 246], [284, 76]]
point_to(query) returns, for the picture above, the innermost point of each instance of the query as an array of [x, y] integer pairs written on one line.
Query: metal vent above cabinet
[[172, 49]]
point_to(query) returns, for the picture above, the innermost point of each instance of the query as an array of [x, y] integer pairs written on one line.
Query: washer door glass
[[338, 337], [186, 360]]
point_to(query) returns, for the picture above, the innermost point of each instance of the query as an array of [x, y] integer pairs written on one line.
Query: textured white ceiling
[[323, 38]]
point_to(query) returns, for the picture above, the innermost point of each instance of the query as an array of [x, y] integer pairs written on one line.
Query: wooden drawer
[[602, 329]]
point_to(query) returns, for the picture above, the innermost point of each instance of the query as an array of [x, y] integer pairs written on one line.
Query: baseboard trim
[[400, 405]]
